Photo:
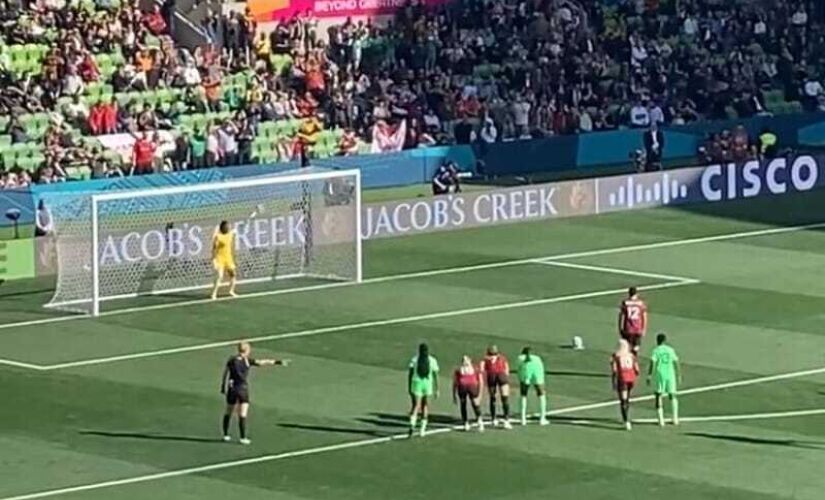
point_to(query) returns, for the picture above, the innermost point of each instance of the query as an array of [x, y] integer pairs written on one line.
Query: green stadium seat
[[5, 141], [9, 157], [25, 163]]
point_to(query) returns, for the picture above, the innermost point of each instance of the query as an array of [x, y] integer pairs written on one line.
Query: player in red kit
[[467, 380], [497, 371], [633, 319], [625, 368]]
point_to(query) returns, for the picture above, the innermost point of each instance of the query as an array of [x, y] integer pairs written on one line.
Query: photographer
[[654, 140], [446, 179]]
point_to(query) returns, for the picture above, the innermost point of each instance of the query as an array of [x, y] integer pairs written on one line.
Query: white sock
[[523, 408]]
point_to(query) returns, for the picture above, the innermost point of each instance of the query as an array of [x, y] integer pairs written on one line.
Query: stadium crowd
[[75, 70]]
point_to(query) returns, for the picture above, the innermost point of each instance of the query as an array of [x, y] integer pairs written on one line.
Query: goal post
[[124, 244]]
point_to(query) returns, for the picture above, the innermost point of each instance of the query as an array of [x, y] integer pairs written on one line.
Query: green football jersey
[[433, 368], [664, 360]]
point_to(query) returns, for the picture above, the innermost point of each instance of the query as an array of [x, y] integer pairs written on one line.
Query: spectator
[[143, 154], [446, 180], [44, 223], [17, 131], [197, 151], [227, 140], [213, 148], [654, 140], [768, 143], [181, 156]]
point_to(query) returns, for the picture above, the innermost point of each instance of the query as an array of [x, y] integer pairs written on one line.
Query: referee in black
[[235, 385]]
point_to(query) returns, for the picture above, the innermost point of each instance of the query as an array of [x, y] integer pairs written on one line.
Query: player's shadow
[[150, 436], [572, 373], [403, 421], [610, 424], [792, 443], [328, 428]]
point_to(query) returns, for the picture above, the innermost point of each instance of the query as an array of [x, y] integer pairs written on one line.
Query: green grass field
[[127, 406]]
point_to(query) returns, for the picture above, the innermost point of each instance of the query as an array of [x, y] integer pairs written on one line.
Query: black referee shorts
[[237, 395]]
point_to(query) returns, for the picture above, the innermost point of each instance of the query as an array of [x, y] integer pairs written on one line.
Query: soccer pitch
[[127, 405]]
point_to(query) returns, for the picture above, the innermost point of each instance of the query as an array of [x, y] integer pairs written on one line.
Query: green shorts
[[531, 377], [421, 387], [666, 385]]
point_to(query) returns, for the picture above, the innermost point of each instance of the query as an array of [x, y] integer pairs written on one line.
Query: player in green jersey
[[422, 384], [664, 367], [531, 374]]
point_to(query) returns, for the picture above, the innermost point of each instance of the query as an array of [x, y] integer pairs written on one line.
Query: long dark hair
[[422, 366], [526, 353]]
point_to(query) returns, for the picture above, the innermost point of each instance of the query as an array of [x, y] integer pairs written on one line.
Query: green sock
[[413, 419], [543, 406], [674, 404]]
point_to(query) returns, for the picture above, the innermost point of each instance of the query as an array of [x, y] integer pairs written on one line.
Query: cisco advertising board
[[709, 184]]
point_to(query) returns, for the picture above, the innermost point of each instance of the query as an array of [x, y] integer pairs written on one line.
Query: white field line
[[437, 272], [741, 416], [359, 326], [615, 270], [368, 442], [20, 364]]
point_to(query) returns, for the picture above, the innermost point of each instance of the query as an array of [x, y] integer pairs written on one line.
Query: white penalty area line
[[436, 272], [369, 442], [358, 326], [741, 416], [615, 270]]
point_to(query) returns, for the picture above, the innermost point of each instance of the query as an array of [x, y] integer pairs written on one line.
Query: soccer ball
[[578, 343]]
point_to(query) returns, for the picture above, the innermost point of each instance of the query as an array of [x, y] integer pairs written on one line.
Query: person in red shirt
[[497, 371], [625, 368], [633, 319], [143, 154], [109, 117], [95, 120], [467, 380]]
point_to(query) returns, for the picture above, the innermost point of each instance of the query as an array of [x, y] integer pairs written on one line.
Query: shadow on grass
[[341, 430], [568, 373], [150, 436], [610, 424], [791, 443]]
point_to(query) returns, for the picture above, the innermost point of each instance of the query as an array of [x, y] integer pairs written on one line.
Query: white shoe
[[466, 426], [245, 441], [422, 433], [523, 420], [675, 421], [227, 439], [627, 426], [661, 423], [233, 293], [544, 421], [480, 425], [496, 422], [507, 425]]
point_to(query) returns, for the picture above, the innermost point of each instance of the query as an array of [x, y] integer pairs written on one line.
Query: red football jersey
[[633, 316], [496, 365], [464, 377], [626, 367]]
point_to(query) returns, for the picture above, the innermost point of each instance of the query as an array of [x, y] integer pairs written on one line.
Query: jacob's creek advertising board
[[709, 184], [521, 204]]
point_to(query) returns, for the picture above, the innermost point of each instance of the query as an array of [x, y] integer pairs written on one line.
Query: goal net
[[123, 244]]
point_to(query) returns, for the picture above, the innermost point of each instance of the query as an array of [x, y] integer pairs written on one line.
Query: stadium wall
[[27, 257]]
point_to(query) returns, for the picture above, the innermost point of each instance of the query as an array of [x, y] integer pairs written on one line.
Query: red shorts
[[634, 339], [625, 385], [468, 391], [495, 380]]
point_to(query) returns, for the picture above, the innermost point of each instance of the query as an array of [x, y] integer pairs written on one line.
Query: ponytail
[[422, 366], [526, 353]]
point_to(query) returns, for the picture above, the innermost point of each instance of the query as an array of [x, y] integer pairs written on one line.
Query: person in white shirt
[[521, 115], [690, 27], [489, 132], [639, 116], [73, 84], [799, 18]]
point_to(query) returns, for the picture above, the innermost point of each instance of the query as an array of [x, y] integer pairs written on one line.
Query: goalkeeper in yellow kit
[[223, 258]]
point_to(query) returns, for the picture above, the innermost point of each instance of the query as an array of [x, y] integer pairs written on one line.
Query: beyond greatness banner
[[593, 196], [269, 10]]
